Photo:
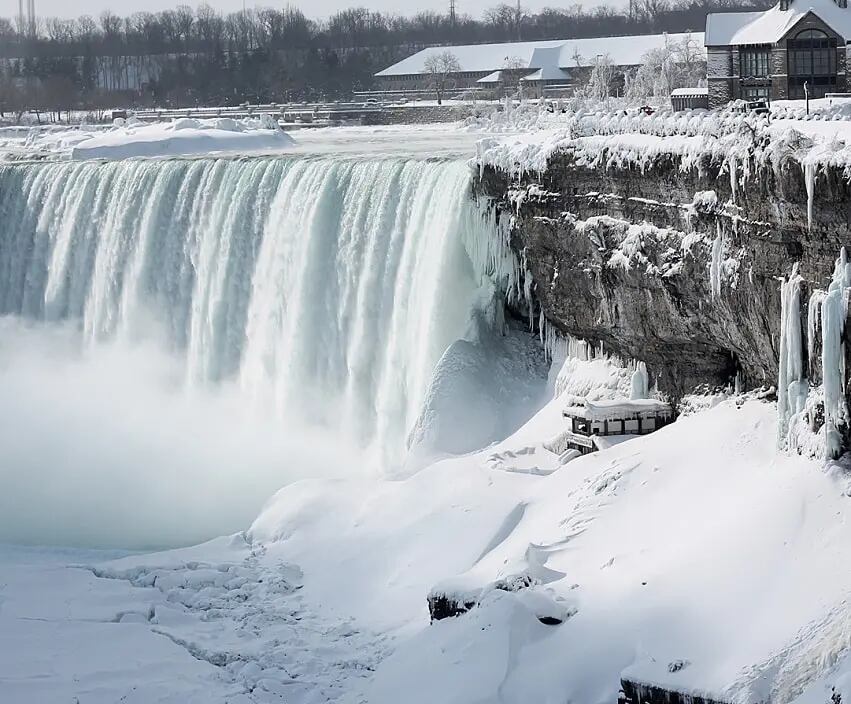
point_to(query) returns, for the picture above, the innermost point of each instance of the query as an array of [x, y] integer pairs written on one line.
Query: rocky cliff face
[[675, 265]]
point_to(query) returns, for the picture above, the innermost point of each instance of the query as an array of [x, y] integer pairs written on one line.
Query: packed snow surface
[[648, 547], [431, 140]]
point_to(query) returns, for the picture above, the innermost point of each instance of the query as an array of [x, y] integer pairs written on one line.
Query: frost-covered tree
[[440, 68], [601, 79], [675, 65]]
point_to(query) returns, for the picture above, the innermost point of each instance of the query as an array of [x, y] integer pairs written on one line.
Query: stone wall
[[718, 72], [418, 114]]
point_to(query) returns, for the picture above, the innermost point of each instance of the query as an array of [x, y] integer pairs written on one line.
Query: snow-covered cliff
[[670, 249]]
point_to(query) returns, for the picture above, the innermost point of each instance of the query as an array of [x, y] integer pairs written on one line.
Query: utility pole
[[518, 15], [31, 18], [452, 13]]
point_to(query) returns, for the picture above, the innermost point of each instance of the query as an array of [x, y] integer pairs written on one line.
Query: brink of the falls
[[327, 287]]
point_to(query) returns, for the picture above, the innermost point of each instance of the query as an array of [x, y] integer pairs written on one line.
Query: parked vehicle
[[760, 107]]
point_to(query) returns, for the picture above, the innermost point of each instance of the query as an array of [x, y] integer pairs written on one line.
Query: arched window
[[812, 60]]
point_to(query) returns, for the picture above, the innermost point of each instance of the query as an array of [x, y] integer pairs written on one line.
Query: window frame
[[812, 57]]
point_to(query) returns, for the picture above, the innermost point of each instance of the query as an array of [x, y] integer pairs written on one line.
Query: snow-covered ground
[[133, 139], [188, 137], [698, 545]]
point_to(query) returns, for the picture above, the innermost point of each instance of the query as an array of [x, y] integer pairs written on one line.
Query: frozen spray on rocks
[[813, 419]]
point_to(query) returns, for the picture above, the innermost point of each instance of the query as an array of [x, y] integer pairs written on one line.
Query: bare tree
[[652, 11], [440, 68]]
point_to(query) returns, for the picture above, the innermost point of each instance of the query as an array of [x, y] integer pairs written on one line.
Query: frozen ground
[[698, 545], [128, 139], [199, 137]]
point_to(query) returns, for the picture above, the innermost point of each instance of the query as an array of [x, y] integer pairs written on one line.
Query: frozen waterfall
[[326, 286]]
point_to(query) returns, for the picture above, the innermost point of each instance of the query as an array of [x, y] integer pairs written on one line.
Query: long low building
[[537, 63]]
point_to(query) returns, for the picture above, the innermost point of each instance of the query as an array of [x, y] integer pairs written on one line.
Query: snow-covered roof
[[690, 91], [494, 77], [559, 53], [548, 73], [618, 409], [732, 28]]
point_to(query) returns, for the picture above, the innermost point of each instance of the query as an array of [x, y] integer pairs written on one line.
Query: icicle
[[813, 322], [731, 162], [791, 384], [715, 265], [810, 183], [527, 297], [833, 312]]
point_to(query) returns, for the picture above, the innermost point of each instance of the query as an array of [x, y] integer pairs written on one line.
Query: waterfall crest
[[326, 286]]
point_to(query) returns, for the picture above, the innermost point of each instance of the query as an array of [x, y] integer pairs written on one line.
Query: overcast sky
[[312, 8]]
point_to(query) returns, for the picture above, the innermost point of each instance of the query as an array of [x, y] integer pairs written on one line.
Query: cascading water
[[329, 286]]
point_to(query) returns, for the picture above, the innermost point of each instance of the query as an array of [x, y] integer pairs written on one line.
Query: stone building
[[773, 55]]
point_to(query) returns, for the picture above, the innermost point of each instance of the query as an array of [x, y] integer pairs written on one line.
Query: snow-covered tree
[[601, 79], [440, 68], [675, 65]]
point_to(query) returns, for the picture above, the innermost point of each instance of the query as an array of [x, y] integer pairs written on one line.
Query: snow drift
[[653, 543], [186, 136]]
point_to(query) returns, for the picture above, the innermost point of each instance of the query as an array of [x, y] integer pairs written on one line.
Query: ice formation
[[797, 403], [810, 183], [791, 383], [640, 385], [833, 311], [813, 326], [715, 265], [329, 287]]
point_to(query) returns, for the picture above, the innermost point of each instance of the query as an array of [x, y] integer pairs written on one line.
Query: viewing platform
[[597, 425]]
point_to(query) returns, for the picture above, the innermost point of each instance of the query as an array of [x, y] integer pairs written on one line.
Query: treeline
[[186, 57]]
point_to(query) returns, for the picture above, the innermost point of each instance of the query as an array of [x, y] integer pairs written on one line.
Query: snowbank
[[183, 137], [696, 558], [654, 540]]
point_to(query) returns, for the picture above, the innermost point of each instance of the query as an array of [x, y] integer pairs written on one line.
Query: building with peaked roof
[[539, 63], [796, 47]]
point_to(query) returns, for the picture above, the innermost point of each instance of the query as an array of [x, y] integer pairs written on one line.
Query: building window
[[755, 93], [812, 60], [754, 61]]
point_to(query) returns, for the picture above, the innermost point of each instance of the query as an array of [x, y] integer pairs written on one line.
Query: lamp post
[[807, 95]]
